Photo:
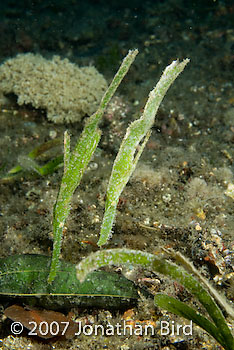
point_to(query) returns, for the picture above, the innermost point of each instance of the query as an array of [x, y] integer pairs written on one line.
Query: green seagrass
[[25, 277]]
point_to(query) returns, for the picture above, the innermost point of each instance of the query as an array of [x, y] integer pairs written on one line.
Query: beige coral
[[66, 91]]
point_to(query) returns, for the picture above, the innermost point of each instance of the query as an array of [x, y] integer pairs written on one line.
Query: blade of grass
[[181, 309], [35, 153], [160, 265]]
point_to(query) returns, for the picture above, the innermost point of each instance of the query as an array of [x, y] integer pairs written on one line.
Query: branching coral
[[64, 90]]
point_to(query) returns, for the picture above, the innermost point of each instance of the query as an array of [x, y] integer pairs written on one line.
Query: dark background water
[[106, 28]]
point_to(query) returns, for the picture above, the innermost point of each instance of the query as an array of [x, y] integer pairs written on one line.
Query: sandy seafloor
[[181, 194]]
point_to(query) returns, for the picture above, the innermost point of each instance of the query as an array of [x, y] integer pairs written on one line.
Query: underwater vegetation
[[218, 328], [82, 282], [129, 153], [100, 289]]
